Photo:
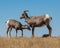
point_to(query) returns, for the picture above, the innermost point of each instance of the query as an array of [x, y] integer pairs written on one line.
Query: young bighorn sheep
[[16, 25], [37, 21]]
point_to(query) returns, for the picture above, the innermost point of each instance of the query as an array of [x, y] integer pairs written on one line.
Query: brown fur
[[37, 21], [17, 26]]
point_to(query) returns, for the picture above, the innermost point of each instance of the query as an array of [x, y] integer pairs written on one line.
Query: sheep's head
[[24, 14]]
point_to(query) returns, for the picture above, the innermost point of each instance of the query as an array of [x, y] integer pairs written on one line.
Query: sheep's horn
[[26, 11]]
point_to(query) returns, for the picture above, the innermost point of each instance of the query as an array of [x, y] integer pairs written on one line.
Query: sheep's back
[[14, 23]]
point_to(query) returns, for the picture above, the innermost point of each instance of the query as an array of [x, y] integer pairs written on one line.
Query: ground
[[25, 42]]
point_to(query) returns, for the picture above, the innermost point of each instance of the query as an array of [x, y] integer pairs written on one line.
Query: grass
[[24, 42]]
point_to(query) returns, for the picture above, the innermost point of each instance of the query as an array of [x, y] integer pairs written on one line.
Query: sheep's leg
[[7, 31], [50, 29], [32, 31], [22, 33], [16, 33], [10, 32]]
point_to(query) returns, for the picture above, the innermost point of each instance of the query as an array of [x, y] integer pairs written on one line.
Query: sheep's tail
[[7, 23], [51, 18], [47, 17]]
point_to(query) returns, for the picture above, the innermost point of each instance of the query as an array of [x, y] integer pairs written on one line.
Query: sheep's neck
[[27, 19]]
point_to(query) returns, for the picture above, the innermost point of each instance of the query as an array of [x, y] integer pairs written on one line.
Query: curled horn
[[26, 11]]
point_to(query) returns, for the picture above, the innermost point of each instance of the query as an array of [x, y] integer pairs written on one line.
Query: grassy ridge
[[25, 42]]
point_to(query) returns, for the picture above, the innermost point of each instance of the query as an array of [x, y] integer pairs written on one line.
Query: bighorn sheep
[[16, 25], [37, 21]]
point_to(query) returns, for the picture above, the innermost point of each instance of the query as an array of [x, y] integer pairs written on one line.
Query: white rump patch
[[7, 23], [46, 16]]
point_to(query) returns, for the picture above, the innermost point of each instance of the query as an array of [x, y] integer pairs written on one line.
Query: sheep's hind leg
[[10, 32], [7, 31], [50, 29]]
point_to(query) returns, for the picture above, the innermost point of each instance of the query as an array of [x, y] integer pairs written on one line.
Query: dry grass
[[24, 42]]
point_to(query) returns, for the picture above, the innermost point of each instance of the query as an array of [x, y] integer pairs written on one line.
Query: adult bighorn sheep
[[16, 25], [37, 21]]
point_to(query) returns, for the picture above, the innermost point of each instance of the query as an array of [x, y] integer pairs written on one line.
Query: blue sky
[[12, 9]]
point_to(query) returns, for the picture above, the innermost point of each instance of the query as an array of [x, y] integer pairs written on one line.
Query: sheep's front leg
[[32, 31], [50, 29], [22, 33], [16, 33]]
